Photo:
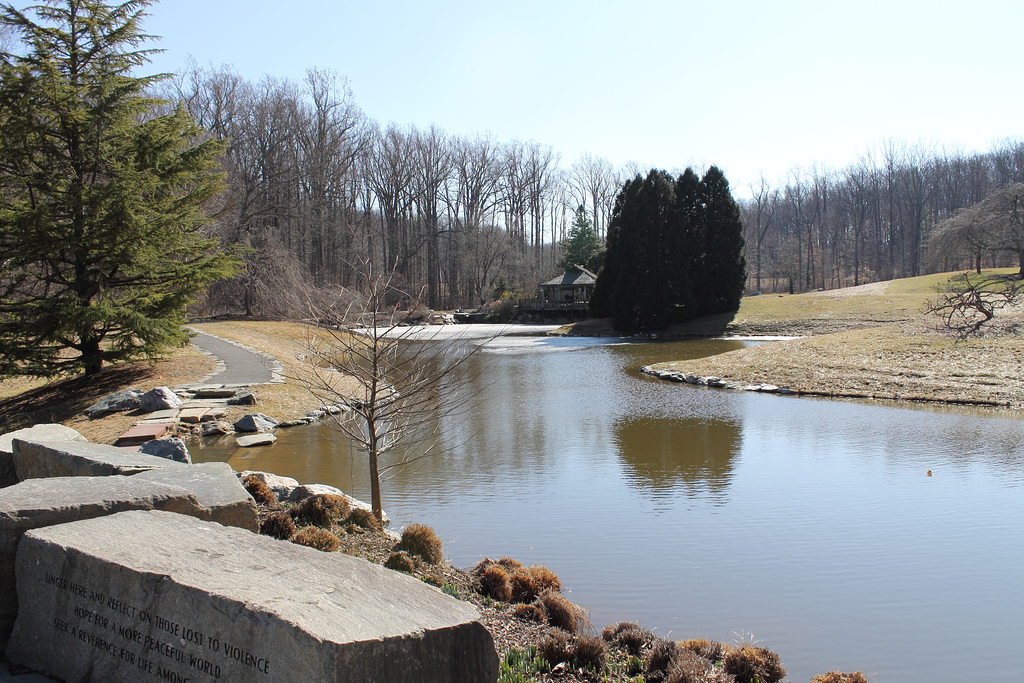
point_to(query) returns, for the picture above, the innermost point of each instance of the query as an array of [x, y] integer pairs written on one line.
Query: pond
[[811, 526]]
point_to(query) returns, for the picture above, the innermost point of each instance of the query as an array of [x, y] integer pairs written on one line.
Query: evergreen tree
[[724, 270], [101, 196], [675, 252], [583, 245]]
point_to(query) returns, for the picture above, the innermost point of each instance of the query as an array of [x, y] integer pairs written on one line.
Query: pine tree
[[725, 267], [583, 245], [675, 252], [101, 195]]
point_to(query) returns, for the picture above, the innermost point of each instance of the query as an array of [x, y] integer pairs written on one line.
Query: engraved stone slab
[[207, 603], [39, 459], [41, 432], [44, 502], [217, 489]]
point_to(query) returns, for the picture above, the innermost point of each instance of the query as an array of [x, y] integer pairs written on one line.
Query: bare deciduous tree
[[969, 301], [402, 384]]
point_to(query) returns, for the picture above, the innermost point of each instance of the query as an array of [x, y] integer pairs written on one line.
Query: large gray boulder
[[128, 399], [171, 448], [255, 422], [42, 432], [205, 602], [160, 398], [214, 484], [40, 459], [39, 503]]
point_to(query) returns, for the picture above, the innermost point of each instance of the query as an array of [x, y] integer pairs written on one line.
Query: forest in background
[[315, 187]]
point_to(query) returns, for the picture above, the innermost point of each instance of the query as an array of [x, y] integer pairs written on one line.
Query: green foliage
[[522, 666], [101, 196], [583, 246], [675, 252]]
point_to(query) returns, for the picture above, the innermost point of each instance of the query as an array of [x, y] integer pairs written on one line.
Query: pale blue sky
[[751, 86]]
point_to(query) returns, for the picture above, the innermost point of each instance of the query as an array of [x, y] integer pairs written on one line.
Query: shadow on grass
[[62, 399]]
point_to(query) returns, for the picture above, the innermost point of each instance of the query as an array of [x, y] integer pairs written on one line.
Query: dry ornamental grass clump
[[561, 613], [588, 652], [278, 525], [495, 583], [629, 636], [315, 537], [401, 562], [752, 664], [323, 510], [420, 539], [708, 649], [259, 491], [690, 667], [555, 647], [838, 677], [364, 519], [663, 652], [532, 612]]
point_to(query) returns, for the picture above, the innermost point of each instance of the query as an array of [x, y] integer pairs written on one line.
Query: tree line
[[314, 186], [873, 220]]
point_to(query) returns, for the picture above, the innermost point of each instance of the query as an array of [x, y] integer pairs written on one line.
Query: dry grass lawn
[[874, 341]]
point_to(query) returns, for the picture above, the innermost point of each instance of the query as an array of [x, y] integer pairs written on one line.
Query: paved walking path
[[238, 365]]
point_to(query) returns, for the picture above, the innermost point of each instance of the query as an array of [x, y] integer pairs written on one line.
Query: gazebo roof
[[574, 277]]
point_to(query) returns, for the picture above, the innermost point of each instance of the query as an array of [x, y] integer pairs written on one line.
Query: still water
[[810, 526]]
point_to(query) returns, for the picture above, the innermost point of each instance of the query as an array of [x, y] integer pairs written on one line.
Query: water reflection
[[706, 513], [663, 457]]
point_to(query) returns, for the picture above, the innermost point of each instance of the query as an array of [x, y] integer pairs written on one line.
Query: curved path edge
[[237, 365]]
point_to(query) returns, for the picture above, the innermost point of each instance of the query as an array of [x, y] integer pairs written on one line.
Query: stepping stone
[[142, 595], [255, 440], [39, 460], [161, 416], [214, 392], [143, 432], [45, 502], [192, 415]]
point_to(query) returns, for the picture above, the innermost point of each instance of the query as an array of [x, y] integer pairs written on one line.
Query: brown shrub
[[837, 677], [323, 510], [524, 588], [259, 491], [528, 583], [708, 649], [532, 612], [561, 613], [662, 653], [544, 578], [318, 538], [555, 647], [588, 652], [401, 562], [749, 663], [494, 582], [420, 539], [634, 639], [361, 517], [690, 667], [279, 525], [509, 563]]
